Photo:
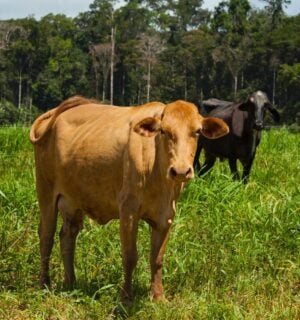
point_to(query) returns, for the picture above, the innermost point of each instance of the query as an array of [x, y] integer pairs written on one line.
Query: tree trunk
[[112, 64], [30, 110], [185, 83], [103, 90], [274, 86], [123, 87], [96, 82], [20, 89], [148, 81], [235, 84], [242, 80]]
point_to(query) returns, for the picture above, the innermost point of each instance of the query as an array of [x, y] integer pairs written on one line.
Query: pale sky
[[13, 9]]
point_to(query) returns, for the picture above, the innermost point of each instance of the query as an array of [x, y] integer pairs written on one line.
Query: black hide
[[245, 121]]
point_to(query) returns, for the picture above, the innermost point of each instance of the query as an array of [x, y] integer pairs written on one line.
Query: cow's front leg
[[246, 168], [208, 164], [128, 235], [159, 240], [233, 168]]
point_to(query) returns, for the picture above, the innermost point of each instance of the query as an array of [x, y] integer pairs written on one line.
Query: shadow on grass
[[106, 293]]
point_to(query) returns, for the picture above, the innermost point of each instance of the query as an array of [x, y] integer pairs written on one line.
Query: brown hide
[[114, 162]]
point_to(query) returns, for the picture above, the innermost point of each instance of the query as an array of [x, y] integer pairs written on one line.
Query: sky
[[14, 9]]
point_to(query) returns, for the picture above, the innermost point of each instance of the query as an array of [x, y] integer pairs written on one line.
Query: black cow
[[245, 121]]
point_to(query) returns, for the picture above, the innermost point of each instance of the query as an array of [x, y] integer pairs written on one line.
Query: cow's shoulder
[[141, 150]]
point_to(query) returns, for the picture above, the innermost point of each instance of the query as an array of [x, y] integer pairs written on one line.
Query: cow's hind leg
[[196, 164], [233, 168], [128, 234], [47, 228], [72, 224], [159, 238]]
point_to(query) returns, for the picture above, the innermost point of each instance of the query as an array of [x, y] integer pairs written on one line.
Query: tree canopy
[[153, 50]]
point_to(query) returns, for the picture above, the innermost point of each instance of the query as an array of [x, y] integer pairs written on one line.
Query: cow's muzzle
[[258, 125], [181, 174]]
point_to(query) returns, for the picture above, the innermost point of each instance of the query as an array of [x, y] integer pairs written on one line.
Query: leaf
[[3, 195]]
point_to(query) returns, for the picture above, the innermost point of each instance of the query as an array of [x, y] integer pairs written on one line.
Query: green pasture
[[234, 250]]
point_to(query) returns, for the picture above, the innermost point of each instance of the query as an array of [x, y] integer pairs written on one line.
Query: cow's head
[[177, 131], [257, 104]]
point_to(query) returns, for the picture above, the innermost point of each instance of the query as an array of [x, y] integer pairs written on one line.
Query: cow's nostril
[[181, 173], [188, 172], [173, 172]]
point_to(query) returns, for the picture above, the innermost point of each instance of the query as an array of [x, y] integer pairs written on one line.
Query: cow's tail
[[43, 123]]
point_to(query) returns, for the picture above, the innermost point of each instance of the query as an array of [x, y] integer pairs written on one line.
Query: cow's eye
[[196, 133]]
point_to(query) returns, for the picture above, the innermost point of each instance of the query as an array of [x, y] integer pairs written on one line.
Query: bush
[[10, 114]]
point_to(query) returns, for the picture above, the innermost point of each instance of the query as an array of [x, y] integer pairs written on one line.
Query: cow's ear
[[238, 121], [148, 127], [275, 114], [213, 128]]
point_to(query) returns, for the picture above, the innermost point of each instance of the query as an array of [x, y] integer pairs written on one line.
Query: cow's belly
[[98, 208], [91, 189], [102, 214], [219, 150], [224, 147]]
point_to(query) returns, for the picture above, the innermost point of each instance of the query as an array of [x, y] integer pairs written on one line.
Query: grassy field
[[234, 251]]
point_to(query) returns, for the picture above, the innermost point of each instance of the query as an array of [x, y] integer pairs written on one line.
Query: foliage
[[276, 9], [233, 252], [232, 50], [10, 114]]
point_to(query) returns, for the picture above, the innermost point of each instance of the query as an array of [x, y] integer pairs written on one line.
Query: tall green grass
[[234, 250]]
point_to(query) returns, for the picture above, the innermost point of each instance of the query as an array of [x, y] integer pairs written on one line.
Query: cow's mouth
[[258, 126]]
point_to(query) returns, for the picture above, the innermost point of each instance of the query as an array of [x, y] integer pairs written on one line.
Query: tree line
[[149, 50]]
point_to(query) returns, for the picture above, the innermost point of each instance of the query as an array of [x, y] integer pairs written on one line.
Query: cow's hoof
[[159, 298], [126, 298], [45, 282], [68, 286]]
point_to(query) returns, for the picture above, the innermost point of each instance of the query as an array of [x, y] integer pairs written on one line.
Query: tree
[[276, 9], [99, 26], [145, 49], [188, 14], [94, 26], [230, 22], [234, 57], [101, 55], [197, 59], [63, 71], [149, 46], [289, 79], [19, 49], [8, 32], [132, 21]]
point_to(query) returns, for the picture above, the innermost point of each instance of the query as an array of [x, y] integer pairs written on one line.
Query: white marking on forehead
[[260, 93]]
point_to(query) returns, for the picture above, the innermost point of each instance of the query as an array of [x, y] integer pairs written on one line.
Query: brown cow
[[108, 162]]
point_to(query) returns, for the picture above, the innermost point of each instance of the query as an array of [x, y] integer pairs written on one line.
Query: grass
[[234, 250]]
